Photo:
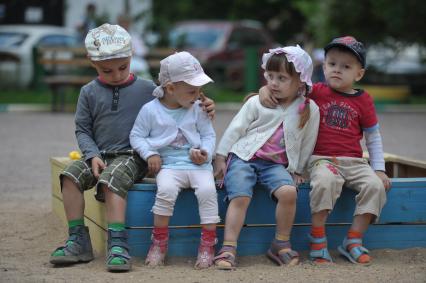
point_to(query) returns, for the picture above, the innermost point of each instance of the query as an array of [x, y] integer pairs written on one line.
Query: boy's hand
[[385, 179], [154, 164], [198, 156], [297, 179], [219, 168], [208, 105], [97, 166], [266, 98]]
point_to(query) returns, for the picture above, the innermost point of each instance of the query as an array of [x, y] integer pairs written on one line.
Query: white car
[[17, 43]]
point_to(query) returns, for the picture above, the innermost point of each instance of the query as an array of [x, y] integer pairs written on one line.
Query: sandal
[[78, 247], [205, 255], [321, 256], [282, 254], [118, 258], [225, 260], [355, 252], [157, 252]]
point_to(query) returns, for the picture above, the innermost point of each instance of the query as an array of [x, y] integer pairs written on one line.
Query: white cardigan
[[254, 124], [154, 128]]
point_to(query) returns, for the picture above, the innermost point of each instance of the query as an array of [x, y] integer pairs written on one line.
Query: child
[[346, 114], [177, 141], [270, 147], [106, 110]]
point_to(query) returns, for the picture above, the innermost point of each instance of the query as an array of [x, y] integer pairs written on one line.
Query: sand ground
[[30, 231]]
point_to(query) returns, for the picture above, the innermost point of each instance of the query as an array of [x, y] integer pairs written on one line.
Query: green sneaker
[[118, 258], [78, 247]]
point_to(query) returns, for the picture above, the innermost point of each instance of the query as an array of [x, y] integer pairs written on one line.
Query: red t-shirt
[[342, 120]]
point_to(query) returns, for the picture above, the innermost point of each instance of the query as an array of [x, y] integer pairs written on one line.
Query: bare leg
[[73, 200], [286, 209], [235, 216], [115, 206], [234, 221], [361, 222], [284, 214], [319, 218], [161, 221]]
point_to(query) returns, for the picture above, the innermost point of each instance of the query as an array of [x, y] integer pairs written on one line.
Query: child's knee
[[240, 202], [286, 194]]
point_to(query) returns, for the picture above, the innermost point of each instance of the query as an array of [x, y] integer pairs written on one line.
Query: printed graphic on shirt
[[180, 141], [338, 115]]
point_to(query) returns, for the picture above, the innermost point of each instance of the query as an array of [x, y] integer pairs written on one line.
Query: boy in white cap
[[177, 140], [270, 147], [347, 114], [106, 110]]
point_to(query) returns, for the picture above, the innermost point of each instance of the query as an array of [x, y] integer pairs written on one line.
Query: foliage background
[[308, 20]]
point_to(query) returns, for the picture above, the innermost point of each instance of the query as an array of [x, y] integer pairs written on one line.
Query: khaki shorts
[[328, 177], [122, 171]]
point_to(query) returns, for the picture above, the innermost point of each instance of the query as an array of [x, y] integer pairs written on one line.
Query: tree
[[371, 21]]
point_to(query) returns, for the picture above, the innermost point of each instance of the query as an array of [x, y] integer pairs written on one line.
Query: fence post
[[251, 78]]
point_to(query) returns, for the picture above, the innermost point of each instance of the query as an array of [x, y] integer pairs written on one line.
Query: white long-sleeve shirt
[[254, 124], [154, 129]]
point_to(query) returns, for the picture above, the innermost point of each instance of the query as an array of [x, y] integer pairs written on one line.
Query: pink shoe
[[157, 252], [205, 257]]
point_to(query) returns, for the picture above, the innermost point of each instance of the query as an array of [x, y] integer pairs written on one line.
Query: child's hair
[[278, 62]]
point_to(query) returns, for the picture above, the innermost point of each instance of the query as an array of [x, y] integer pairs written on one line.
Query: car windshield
[[196, 37], [12, 39]]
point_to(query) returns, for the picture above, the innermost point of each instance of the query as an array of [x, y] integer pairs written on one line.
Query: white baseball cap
[[108, 42], [182, 67]]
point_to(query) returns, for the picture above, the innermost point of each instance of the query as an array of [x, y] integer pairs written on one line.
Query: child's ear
[[360, 74], [170, 87]]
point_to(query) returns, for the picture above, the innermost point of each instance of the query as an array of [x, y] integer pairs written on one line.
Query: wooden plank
[[75, 50], [79, 62], [406, 203], [74, 80]]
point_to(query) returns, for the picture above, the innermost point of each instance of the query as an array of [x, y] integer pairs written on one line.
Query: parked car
[[16, 49], [397, 64], [220, 46]]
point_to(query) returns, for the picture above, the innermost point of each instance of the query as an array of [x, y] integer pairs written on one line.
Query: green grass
[[32, 96], [44, 96], [218, 94]]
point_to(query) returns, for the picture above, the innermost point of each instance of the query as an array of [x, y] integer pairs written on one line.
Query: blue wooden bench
[[402, 224]]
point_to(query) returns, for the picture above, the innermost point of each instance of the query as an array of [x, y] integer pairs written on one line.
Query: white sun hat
[[300, 58], [180, 67], [108, 42]]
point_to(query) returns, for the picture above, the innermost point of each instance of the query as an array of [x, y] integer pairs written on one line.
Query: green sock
[[75, 222], [117, 260], [71, 224], [116, 226]]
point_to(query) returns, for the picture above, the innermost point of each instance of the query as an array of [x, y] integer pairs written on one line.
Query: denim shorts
[[242, 176]]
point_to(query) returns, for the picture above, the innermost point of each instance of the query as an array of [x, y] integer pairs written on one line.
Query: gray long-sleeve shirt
[[105, 115]]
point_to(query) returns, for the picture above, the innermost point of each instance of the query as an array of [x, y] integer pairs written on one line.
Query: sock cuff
[[318, 231], [116, 226], [75, 222], [229, 243], [160, 230], [354, 234], [282, 237]]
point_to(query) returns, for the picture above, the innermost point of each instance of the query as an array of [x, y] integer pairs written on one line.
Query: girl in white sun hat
[[270, 147], [176, 138]]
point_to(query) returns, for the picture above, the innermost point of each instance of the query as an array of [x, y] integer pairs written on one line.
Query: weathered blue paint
[[402, 224]]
